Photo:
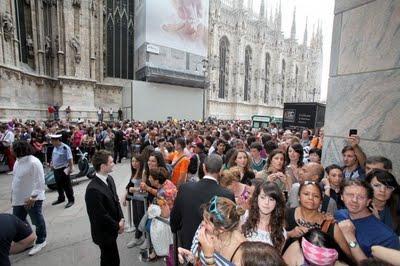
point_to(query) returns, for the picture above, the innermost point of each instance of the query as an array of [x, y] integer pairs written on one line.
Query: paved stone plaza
[[68, 230]]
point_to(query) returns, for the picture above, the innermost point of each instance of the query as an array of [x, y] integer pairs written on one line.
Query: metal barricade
[[135, 196]]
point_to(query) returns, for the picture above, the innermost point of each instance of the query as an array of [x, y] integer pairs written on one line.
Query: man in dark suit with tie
[[186, 215], [104, 209]]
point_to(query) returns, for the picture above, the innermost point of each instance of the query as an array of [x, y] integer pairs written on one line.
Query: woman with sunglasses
[[385, 203], [218, 237], [307, 216], [265, 218]]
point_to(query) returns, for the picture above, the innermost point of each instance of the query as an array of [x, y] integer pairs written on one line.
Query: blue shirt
[[61, 156], [370, 231]]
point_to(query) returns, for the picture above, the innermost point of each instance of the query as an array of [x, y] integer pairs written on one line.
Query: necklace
[[302, 222]]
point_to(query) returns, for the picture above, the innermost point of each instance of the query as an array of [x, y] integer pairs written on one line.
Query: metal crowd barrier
[[139, 197]]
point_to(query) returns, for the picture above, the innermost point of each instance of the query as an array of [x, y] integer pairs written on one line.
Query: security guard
[[62, 165]]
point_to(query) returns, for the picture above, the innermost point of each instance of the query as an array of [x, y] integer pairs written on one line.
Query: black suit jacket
[[186, 215], [104, 211], [147, 143]]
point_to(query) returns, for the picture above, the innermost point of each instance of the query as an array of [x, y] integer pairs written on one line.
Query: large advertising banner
[[179, 24]]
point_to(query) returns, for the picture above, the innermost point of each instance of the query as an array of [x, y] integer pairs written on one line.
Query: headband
[[318, 255]]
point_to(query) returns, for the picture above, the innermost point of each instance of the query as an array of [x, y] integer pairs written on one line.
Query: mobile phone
[[353, 132]]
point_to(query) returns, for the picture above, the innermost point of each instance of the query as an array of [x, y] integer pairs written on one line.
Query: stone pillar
[[364, 83], [40, 38]]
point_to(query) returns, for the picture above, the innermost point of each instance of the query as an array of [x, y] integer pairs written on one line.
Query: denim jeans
[[35, 213]]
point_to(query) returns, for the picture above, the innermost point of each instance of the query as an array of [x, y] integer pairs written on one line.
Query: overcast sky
[[315, 10]]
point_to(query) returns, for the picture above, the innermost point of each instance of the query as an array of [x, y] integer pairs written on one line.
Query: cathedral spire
[[250, 6], [293, 30], [305, 37], [262, 10], [280, 16], [239, 4]]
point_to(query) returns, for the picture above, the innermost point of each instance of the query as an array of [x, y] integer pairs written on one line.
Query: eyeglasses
[[307, 182], [379, 186], [212, 209], [357, 196]]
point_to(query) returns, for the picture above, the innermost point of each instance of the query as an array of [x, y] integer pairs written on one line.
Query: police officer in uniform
[[62, 165]]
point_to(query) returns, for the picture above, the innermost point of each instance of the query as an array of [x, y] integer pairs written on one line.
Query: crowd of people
[[213, 193]]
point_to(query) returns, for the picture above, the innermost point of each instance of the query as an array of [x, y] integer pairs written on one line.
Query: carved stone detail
[[7, 25], [76, 46], [76, 3]]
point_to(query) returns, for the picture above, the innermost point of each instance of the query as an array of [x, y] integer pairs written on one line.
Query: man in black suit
[[104, 209], [119, 138], [151, 140], [186, 215]]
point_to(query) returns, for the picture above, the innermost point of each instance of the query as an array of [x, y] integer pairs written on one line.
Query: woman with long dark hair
[[274, 170], [385, 203], [294, 161], [133, 187], [266, 216]]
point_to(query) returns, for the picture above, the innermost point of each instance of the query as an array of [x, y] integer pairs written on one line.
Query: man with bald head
[[313, 172]]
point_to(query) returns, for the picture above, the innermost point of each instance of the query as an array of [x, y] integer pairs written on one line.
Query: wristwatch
[[353, 244]]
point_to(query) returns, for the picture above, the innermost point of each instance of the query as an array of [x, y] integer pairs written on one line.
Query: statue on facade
[[76, 3], [8, 27], [76, 46], [47, 46], [93, 8], [57, 43], [29, 45]]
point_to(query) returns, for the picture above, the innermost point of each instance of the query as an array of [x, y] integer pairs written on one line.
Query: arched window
[[267, 67], [223, 66], [119, 38], [247, 74], [296, 84], [283, 80]]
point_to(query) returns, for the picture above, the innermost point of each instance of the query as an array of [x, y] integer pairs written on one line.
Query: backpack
[[170, 167]]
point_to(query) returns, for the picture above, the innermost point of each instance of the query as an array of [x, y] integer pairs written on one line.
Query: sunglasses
[[310, 183], [212, 209]]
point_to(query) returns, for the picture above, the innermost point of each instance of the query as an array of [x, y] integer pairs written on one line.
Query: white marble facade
[[364, 84], [241, 27], [64, 63]]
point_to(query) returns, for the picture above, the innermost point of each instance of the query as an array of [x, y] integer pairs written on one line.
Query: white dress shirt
[[28, 180], [102, 178]]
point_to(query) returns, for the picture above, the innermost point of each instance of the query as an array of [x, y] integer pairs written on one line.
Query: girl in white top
[[265, 218]]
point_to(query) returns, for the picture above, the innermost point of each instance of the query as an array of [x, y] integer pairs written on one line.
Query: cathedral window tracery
[[247, 73], [223, 66], [119, 38], [267, 72], [283, 81]]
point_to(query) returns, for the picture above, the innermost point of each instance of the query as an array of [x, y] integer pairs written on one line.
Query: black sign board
[[305, 115]]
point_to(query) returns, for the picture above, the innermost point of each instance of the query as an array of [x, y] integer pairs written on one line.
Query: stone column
[[40, 38], [61, 39], [364, 83]]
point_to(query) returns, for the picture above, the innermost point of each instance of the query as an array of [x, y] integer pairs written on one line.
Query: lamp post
[[204, 63]]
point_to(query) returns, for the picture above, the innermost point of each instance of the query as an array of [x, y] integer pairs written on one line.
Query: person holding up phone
[[353, 158]]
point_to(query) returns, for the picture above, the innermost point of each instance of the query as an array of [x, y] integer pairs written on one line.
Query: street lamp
[[204, 63]]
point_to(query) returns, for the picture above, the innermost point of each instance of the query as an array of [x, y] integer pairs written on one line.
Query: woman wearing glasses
[[385, 203], [307, 216], [265, 218], [218, 237]]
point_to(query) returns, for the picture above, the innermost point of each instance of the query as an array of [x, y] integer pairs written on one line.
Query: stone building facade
[[61, 52], [253, 69]]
